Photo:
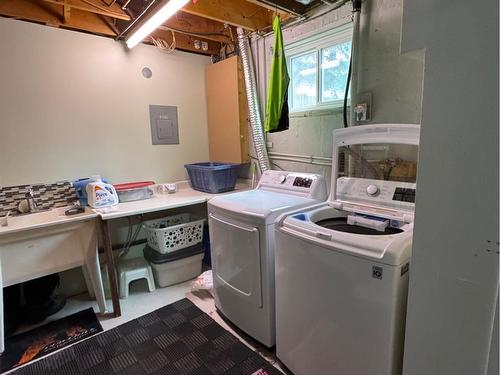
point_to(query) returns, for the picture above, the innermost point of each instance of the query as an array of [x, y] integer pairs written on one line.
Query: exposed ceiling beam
[[214, 38], [285, 7], [52, 15], [213, 21], [94, 6], [239, 13], [49, 13], [200, 27], [66, 14]]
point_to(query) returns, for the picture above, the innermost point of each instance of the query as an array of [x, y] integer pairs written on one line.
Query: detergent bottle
[[100, 194]]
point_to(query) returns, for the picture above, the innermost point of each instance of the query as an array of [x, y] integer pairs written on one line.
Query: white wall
[[454, 276], [74, 104], [394, 77]]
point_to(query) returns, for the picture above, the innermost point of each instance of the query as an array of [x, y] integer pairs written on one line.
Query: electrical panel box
[[164, 126]]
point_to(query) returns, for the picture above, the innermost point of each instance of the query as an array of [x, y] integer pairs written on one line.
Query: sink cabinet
[[33, 253]]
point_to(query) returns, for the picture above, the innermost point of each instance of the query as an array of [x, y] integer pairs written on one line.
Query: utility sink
[[44, 218]]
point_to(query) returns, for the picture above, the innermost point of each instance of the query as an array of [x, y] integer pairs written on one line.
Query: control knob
[[372, 190], [282, 178]]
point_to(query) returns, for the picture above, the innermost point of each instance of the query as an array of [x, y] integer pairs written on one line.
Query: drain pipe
[[255, 118]]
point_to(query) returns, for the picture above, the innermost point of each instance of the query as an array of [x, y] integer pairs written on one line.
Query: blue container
[[80, 186], [213, 177]]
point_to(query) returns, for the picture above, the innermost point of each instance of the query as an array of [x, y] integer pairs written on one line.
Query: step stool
[[134, 269]]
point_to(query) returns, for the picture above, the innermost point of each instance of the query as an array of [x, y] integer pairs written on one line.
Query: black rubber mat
[[41, 341], [176, 339]]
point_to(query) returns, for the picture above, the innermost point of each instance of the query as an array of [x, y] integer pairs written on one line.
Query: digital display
[[302, 182], [404, 195]]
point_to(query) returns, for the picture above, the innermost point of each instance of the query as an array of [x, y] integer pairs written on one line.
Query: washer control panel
[[376, 192], [303, 184]]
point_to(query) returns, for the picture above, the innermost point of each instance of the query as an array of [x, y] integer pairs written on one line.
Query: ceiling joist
[[196, 26], [66, 14], [53, 15], [283, 7], [93, 6], [239, 13], [213, 21]]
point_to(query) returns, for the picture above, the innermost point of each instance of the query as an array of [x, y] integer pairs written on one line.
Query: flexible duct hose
[[253, 103]]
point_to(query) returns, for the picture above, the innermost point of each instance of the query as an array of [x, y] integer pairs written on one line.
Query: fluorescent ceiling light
[[165, 12]]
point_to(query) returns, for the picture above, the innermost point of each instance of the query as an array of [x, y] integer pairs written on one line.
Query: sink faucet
[[32, 207]]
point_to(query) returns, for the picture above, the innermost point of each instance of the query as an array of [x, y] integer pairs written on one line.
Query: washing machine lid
[[374, 170], [392, 247], [259, 204]]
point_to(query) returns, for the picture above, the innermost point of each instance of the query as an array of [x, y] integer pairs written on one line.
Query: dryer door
[[236, 258]]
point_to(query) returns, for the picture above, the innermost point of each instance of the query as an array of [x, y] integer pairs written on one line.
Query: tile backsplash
[[46, 196]]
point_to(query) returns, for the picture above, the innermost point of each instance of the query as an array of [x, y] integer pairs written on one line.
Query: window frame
[[330, 38]]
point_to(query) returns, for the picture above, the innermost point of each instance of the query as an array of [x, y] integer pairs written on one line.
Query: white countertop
[[185, 196]]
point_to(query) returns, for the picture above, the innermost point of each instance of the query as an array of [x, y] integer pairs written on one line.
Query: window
[[304, 80], [318, 69], [334, 70]]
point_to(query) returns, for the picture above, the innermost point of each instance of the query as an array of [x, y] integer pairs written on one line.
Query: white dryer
[[242, 245], [342, 267]]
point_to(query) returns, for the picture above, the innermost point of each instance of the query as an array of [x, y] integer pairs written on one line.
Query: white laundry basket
[[173, 233]]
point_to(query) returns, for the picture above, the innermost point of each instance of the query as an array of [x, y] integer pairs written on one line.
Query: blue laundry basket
[[213, 177]]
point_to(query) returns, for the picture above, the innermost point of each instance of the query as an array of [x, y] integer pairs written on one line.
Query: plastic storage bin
[[213, 177], [134, 191], [174, 268], [173, 233]]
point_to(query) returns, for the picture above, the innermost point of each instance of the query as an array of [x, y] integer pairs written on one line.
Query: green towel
[[277, 96]]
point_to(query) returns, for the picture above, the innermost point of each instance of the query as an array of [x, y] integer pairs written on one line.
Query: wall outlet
[[361, 112], [363, 109]]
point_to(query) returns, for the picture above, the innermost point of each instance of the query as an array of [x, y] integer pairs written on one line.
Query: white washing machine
[[242, 245], [342, 267]]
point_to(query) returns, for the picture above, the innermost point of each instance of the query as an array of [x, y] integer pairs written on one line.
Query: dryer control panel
[[308, 185], [389, 194]]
